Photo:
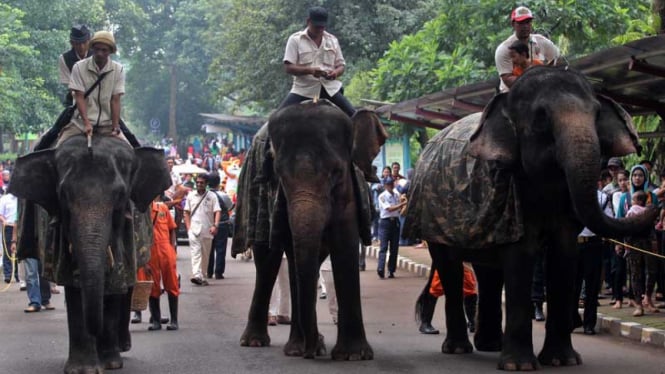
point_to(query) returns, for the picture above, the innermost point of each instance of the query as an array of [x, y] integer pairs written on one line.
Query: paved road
[[212, 319]]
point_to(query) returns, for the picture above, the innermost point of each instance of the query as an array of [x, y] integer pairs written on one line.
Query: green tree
[[440, 56], [249, 46], [168, 65]]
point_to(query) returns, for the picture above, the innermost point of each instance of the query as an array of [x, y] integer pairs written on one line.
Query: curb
[[606, 324]]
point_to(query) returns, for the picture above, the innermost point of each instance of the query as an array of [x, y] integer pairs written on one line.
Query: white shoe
[[22, 286]]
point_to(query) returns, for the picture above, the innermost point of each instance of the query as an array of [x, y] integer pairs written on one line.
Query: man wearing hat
[[389, 208], [614, 165], [540, 48], [101, 109], [79, 38], [314, 58]]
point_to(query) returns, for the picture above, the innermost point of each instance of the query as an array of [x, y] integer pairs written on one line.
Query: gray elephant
[[495, 188], [97, 195], [302, 191]]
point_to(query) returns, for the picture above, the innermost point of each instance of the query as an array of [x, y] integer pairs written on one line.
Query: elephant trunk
[[90, 234], [579, 153], [307, 220]]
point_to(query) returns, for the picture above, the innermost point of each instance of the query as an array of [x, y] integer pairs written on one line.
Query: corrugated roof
[[632, 74]]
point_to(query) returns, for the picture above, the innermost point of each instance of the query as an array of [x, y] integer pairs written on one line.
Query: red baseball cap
[[520, 14]]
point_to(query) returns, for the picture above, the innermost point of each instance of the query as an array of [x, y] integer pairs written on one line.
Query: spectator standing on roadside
[[202, 213], [589, 268], [37, 287], [390, 205], [217, 261]]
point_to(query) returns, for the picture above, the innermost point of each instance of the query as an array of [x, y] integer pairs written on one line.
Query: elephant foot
[[355, 351], [559, 356], [252, 338], [523, 362], [125, 343], [112, 361], [73, 366], [453, 346], [485, 343], [296, 348]]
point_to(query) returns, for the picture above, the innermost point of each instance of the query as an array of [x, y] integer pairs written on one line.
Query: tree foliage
[[247, 66], [457, 46]]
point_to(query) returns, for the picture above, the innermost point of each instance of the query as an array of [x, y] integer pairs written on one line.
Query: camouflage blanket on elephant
[[48, 242], [458, 200], [259, 199]]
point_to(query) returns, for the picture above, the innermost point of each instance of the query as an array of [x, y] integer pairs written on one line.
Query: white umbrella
[[188, 168]]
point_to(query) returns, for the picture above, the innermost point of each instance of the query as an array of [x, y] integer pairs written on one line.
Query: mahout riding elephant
[[302, 191], [496, 187], [95, 197]]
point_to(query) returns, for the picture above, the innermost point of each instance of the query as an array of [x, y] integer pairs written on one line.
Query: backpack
[[224, 218]]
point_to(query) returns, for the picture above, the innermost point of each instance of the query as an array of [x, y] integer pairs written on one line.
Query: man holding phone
[[314, 58]]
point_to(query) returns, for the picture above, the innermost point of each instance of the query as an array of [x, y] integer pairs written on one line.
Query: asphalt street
[[212, 319]]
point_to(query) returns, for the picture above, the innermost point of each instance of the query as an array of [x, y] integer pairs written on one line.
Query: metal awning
[[632, 74], [215, 123]]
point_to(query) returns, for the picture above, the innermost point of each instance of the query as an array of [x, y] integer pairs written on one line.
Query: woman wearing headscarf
[[640, 263]]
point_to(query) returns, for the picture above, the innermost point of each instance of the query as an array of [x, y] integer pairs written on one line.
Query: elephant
[[95, 195], [302, 192], [497, 187]]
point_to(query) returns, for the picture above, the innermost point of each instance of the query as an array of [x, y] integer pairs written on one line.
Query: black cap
[[318, 16], [79, 34]]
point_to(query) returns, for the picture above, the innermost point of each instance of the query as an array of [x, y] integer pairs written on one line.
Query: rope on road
[[635, 248]]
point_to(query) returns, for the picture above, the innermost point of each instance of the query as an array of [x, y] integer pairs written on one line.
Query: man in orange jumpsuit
[[162, 266]]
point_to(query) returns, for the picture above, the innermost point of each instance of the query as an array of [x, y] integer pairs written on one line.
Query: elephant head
[[552, 125], [314, 149], [90, 192]]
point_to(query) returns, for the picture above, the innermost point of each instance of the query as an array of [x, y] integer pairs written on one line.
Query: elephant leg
[[451, 273], [304, 337], [351, 340], [561, 268], [108, 345], [267, 261], [489, 334], [517, 351], [124, 337], [83, 356]]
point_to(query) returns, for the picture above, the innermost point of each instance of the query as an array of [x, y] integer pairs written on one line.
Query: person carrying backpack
[[217, 262]]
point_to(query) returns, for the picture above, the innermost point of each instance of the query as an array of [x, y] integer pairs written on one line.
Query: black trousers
[[589, 268], [337, 99]]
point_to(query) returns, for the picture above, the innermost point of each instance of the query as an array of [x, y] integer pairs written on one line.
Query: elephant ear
[[34, 178], [495, 139], [615, 129], [368, 137], [150, 176]]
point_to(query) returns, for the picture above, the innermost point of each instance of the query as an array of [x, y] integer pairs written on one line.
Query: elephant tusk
[[110, 254]]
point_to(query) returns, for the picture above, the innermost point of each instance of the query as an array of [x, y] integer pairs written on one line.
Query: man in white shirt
[[8, 210], [540, 48], [314, 58], [202, 214], [389, 208]]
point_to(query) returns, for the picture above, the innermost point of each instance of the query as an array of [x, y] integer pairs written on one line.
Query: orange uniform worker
[[470, 292], [162, 265]]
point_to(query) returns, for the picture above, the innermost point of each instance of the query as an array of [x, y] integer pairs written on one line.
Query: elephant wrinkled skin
[[99, 196], [302, 192], [497, 188]]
